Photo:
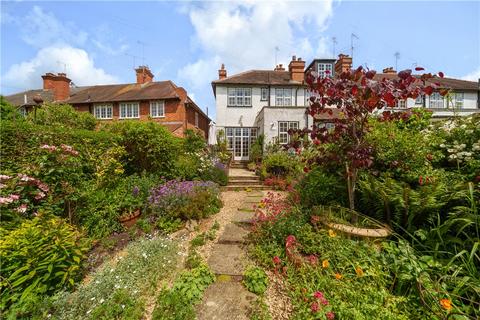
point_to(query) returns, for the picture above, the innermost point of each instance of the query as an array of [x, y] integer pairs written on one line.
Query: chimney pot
[[389, 70], [343, 64], [296, 68], [59, 84], [222, 73]]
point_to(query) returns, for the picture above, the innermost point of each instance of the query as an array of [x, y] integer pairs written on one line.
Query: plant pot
[[130, 218]]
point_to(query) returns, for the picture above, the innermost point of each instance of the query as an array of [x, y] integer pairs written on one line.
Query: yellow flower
[[359, 271], [331, 233], [325, 263], [446, 304], [338, 276]]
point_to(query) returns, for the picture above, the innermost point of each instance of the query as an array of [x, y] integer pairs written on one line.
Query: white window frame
[[103, 111], [264, 94], [419, 100], [157, 109], [23, 111], [459, 100], [322, 68], [283, 127], [283, 97], [436, 101], [125, 113], [239, 97], [401, 104], [196, 119]]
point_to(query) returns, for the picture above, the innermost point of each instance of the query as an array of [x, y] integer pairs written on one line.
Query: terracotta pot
[[128, 220]]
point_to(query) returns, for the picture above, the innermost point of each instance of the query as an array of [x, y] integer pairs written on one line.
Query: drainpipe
[[296, 96]]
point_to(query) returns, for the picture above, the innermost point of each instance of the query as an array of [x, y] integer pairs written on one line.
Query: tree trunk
[[351, 184]]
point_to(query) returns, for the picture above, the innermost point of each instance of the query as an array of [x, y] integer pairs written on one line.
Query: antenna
[[60, 63], [397, 57], [277, 49], [334, 40], [134, 58], [143, 44], [353, 36]]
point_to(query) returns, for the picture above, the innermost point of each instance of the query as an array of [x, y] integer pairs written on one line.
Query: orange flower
[[338, 276], [325, 263], [359, 271], [331, 233], [446, 304]]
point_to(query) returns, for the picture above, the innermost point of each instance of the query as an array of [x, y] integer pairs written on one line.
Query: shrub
[[9, 111], [42, 256], [280, 163], [256, 280], [186, 167], [62, 115], [186, 200], [193, 141], [320, 187], [150, 146], [216, 174], [256, 151]]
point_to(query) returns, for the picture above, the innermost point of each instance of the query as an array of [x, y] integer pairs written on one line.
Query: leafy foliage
[[40, 257], [62, 115], [256, 280], [321, 187]]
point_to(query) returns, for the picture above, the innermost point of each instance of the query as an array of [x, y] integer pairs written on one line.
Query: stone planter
[[130, 218]]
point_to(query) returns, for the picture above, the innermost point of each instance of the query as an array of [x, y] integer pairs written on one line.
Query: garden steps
[[233, 233], [244, 217], [243, 188], [225, 300], [228, 259]]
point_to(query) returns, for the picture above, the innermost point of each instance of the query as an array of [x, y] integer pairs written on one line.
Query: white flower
[[102, 300]]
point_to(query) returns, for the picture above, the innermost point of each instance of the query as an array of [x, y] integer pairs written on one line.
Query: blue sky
[[186, 42]]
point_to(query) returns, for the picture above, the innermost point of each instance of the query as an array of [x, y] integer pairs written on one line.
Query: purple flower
[[135, 191]]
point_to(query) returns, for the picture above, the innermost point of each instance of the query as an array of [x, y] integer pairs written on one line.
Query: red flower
[[314, 307], [318, 295], [277, 260], [420, 180], [330, 315], [313, 260]]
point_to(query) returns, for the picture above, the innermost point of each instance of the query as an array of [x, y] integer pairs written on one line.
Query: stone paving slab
[[233, 233], [254, 194], [225, 301], [229, 259], [253, 200], [243, 217]]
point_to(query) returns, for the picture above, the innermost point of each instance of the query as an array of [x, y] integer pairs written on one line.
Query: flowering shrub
[[185, 199], [20, 197]]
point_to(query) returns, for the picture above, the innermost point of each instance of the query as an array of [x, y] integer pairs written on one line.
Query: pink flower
[[24, 177], [290, 241], [314, 307], [14, 197], [277, 260], [4, 200], [2, 185], [4, 177], [43, 186], [318, 295], [323, 301], [39, 195], [330, 315], [22, 208], [313, 259]]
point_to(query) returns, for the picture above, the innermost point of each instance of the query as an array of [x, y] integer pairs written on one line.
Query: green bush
[[280, 163], [193, 141], [256, 151], [150, 146], [256, 280], [186, 167], [42, 256], [319, 187], [216, 174], [9, 111], [62, 115]]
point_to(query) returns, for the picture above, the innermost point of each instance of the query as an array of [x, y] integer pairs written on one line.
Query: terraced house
[[270, 102], [160, 101]]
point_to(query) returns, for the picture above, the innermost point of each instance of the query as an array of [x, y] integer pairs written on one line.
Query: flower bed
[[185, 199]]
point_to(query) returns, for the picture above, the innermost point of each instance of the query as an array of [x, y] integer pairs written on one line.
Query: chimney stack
[[222, 73], [389, 70], [144, 75], [296, 68], [279, 67], [344, 63], [59, 84]]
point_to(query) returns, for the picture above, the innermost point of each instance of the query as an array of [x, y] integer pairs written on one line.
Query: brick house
[[159, 101]]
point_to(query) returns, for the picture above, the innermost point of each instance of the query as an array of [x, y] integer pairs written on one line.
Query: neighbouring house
[[159, 101], [268, 102], [271, 102]]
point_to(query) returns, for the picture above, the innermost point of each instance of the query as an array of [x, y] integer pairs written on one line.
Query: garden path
[[227, 298]]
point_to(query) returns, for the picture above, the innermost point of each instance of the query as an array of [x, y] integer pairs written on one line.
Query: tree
[[357, 94]]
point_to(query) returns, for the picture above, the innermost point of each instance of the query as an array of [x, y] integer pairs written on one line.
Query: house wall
[[245, 116], [267, 120]]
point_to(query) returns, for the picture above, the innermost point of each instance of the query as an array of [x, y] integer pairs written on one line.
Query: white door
[[240, 140]]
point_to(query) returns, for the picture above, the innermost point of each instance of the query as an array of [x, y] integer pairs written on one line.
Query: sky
[[100, 42]]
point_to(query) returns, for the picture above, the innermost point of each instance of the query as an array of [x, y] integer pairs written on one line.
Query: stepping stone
[[255, 195], [228, 259], [247, 207], [253, 200], [233, 234], [243, 217], [225, 300]]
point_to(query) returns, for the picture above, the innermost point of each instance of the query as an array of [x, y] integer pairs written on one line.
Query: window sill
[[133, 118], [239, 106], [104, 118], [158, 117]]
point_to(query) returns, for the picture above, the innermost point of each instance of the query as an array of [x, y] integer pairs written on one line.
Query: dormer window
[[324, 70]]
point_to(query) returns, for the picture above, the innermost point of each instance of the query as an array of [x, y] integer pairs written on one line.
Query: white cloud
[[80, 68], [41, 29], [244, 35], [472, 76]]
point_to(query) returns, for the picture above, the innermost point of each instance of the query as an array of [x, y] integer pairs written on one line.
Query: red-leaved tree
[[358, 94]]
